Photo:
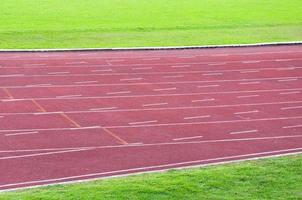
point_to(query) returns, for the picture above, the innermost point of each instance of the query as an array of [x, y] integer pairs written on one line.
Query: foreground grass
[[125, 23], [277, 178]]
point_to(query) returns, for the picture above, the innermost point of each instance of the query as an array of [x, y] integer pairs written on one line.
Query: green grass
[[134, 23], [277, 178]]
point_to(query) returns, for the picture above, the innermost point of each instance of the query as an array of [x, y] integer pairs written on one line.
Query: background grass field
[[277, 179], [134, 23]]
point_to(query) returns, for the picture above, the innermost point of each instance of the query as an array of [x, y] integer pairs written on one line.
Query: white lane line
[[55, 73], [206, 86], [69, 96], [187, 164], [12, 75], [154, 104], [76, 62], [218, 55], [105, 108], [164, 89], [120, 92], [248, 96], [286, 68], [175, 76], [283, 60], [293, 107], [249, 83], [197, 117], [180, 66], [116, 60], [48, 113], [131, 79], [202, 100], [295, 92], [40, 64], [38, 85], [239, 132], [50, 129], [213, 74], [188, 138], [213, 64], [246, 112], [102, 70], [251, 61], [23, 133], [149, 59], [286, 80], [249, 71], [294, 126], [86, 82], [144, 122], [141, 68]]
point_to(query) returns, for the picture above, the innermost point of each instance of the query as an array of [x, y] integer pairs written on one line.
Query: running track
[[84, 115]]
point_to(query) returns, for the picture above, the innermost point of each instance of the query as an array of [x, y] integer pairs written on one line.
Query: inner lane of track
[[82, 115]]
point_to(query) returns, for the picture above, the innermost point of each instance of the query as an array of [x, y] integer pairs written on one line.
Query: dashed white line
[[286, 80], [188, 138], [206, 86], [54, 73], [284, 93], [213, 64], [131, 79], [165, 89], [86, 82], [197, 117], [154, 104], [175, 76], [283, 60], [249, 71], [249, 131], [144, 122], [102, 70], [294, 126], [213, 74], [23, 133], [293, 107], [246, 112], [180, 66], [121, 92], [248, 96], [68, 96], [251, 61], [141, 68], [249, 83], [105, 108], [38, 85], [202, 100], [77, 62]]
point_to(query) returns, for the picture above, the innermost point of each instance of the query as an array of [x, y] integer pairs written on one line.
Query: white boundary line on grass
[[160, 171], [157, 48]]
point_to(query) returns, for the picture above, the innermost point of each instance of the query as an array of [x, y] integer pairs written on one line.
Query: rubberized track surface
[[84, 115]]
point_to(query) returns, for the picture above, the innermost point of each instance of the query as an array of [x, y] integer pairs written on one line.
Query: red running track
[[84, 115]]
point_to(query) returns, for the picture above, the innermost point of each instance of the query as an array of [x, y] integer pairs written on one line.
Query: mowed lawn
[[275, 178], [136, 23]]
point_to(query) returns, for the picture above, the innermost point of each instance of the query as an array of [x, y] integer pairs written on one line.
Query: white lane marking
[[48, 113], [295, 92], [154, 168], [206, 86], [154, 104], [202, 100], [12, 75], [249, 71], [50, 129], [248, 96], [249, 83], [102, 70], [215, 55], [294, 126], [105, 108], [208, 122], [149, 59], [188, 138], [75, 62], [283, 60], [131, 79], [23, 133], [175, 76], [246, 112], [180, 66], [286, 68], [164, 89], [141, 68], [56, 73], [251, 61], [155, 95], [68, 96], [197, 117], [38, 85], [186, 57], [86, 82], [213, 74], [1, 116], [285, 80], [144, 122], [213, 64], [239, 132], [40, 64], [293, 107], [120, 92], [116, 60]]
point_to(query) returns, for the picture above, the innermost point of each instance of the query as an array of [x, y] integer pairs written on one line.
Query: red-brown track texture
[[83, 115]]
